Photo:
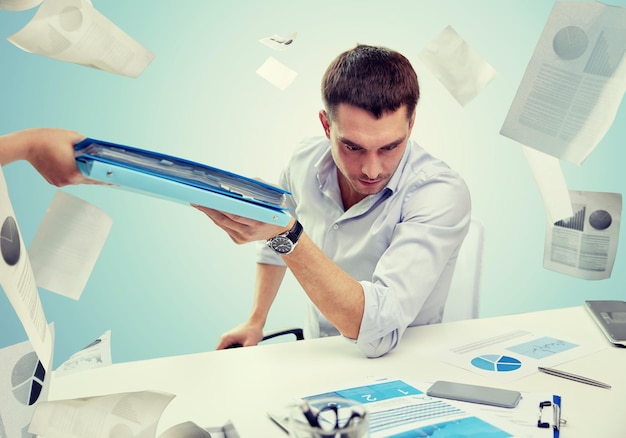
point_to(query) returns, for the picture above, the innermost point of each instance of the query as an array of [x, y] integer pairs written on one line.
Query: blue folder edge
[[136, 179]]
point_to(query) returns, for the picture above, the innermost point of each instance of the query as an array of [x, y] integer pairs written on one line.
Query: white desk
[[242, 384]]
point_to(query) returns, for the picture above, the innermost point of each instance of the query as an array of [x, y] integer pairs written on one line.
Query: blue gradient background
[[169, 282]]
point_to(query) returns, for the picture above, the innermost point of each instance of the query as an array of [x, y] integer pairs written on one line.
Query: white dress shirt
[[401, 244]]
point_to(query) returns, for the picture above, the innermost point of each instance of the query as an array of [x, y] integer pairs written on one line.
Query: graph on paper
[[513, 354]]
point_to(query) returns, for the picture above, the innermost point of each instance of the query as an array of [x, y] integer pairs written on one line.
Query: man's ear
[[325, 122]]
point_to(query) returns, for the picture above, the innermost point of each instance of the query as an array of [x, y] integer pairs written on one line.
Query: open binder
[[181, 180]]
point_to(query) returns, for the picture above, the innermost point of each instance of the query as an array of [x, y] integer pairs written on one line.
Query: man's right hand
[[244, 335]]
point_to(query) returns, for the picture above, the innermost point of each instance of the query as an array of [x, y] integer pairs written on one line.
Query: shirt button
[[335, 227]]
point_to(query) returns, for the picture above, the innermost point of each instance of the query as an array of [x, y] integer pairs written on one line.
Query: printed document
[[574, 82], [74, 31], [24, 383], [396, 408], [95, 355], [18, 281], [585, 244], [512, 354], [67, 244]]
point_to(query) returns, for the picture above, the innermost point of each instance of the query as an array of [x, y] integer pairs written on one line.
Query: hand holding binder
[[181, 180]]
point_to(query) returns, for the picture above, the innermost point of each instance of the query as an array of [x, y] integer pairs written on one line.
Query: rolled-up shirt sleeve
[[411, 279]]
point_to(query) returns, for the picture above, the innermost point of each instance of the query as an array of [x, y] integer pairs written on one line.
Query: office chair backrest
[[464, 296]]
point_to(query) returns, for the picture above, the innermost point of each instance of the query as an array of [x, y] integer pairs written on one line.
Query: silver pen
[[574, 377]]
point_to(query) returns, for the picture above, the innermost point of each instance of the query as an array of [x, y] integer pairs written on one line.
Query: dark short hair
[[375, 79]]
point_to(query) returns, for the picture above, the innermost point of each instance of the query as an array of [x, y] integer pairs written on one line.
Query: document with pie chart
[[585, 244], [513, 353], [24, 384], [18, 281], [574, 83]]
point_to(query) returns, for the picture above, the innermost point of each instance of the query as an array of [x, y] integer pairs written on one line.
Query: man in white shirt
[[377, 221]]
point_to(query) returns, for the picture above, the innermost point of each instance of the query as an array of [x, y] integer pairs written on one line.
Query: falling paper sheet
[[585, 244], [74, 31], [277, 42], [95, 355], [457, 66], [129, 414], [276, 73], [18, 281], [24, 383], [546, 170], [574, 82], [18, 5], [67, 244]]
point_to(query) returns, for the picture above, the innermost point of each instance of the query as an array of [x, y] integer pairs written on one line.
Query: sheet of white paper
[[457, 66], [513, 354], [67, 244], [18, 5], [276, 73], [18, 282], [129, 414], [74, 31], [574, 82], [585, 244], [278, 42], [24, 383], [95, 355], [546, 170]]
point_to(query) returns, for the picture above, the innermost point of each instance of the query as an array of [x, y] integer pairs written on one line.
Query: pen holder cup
[[328, 417]]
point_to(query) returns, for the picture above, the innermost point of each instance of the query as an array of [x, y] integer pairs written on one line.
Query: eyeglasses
[[557, 421], [333, 416]]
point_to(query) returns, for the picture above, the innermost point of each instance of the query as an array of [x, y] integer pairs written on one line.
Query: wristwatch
[[284, 243]]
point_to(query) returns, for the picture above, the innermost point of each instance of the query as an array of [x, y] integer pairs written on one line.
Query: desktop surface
[[243, 384]]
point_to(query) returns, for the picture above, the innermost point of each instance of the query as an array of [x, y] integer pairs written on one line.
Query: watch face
[[281, 244]]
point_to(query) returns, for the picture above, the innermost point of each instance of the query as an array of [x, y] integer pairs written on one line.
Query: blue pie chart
[[496, 363]]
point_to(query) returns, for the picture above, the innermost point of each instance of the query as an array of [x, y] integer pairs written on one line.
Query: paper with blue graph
[[396, 408], [514, 354]]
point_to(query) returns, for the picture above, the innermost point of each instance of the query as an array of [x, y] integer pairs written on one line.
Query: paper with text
[[574, 82], [24, 383], [512, 354], [397, 408], [585, 244], [128, 414], [18, 282], [67, 244], [74, 31], [95, 355], [457, 65]]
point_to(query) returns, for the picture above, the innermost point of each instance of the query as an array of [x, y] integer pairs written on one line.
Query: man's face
[[366, 150]]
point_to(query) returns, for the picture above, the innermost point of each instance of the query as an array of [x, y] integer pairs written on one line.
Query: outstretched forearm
[[337, 295]]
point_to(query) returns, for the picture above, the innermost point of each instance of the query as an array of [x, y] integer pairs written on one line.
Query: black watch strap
[[295, 232]]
